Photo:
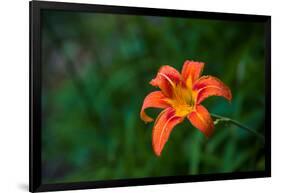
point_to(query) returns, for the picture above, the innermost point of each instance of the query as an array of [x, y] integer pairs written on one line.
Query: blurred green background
[[96, 70]]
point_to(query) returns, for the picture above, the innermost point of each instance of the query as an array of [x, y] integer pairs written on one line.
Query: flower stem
[[238, 124]]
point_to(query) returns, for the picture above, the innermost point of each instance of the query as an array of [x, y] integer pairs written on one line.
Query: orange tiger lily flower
[[180, 96]]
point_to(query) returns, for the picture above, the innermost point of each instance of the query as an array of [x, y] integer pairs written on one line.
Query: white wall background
[[14, 96]]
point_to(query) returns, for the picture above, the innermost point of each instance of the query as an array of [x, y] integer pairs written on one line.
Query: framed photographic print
[[124, 96]]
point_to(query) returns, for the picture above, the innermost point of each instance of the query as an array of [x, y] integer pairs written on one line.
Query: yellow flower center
[[183, 99]]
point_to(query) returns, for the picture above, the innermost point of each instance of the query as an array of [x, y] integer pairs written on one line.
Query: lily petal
[[154, 99], [201, 119], [166, 78], [191, 71], [210, 86], [163, 126]]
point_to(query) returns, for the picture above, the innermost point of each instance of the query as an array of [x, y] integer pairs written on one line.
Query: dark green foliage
[[96, 70]]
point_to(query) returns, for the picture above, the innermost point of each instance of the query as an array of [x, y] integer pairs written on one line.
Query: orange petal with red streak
[[192, 70], [201, 119], [154, 99], [163, 126], [166, 77], [208, 86]]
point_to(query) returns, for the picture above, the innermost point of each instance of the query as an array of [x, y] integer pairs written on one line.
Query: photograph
[[127, 96]]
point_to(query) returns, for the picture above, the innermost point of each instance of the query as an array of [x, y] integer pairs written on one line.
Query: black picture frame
[[36, 8]]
